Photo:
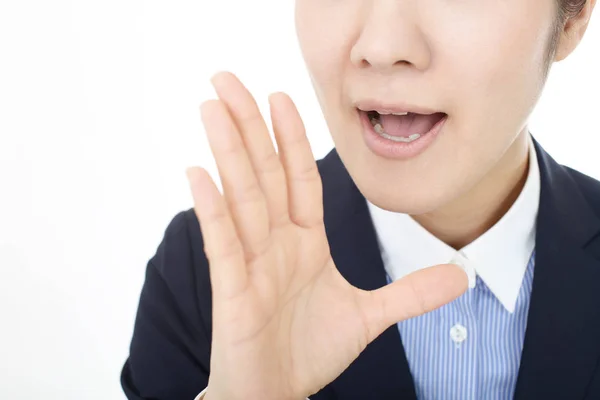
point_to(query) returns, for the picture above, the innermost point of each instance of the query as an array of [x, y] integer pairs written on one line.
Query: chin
[[403, 199], [414, 186]]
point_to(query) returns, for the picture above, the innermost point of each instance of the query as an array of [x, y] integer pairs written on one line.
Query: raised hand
[[285, 321]]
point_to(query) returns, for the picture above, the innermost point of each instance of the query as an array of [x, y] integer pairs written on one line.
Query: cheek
[[325, 33], [325, 69], [496, 75]]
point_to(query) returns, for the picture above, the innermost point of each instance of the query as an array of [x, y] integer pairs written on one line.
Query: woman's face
[[480, 62]]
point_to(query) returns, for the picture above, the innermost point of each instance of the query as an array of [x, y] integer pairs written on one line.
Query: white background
[[99, 118]]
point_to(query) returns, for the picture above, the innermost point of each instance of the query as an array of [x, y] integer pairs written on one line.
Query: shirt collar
[[499, 256]]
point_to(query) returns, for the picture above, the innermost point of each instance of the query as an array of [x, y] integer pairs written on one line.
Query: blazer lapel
[[561, 348], [381, 371]]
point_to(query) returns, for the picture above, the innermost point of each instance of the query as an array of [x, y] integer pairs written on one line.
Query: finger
[[305, 192], [255, 135], [221, 244], [243, 195], [415, 294]]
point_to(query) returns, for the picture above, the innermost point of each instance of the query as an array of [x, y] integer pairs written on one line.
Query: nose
[[390, 38]]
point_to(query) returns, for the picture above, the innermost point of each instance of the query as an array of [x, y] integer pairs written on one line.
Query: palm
[[285, 322]]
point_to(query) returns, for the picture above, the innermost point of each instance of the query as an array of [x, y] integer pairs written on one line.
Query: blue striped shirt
[[484, 365]]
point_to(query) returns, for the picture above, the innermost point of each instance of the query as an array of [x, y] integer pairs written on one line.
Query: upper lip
[[396, 107]]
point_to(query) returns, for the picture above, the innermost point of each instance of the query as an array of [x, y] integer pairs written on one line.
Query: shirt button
[[458, 333]]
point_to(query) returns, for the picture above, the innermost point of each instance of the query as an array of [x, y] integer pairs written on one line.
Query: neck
[[469, 216]]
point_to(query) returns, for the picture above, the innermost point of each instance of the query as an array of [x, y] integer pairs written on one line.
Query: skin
[[483, 63]]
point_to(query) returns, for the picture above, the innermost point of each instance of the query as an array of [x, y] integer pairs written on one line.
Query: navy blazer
[[170, 350]]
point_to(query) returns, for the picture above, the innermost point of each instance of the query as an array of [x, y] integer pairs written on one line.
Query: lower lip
[[397, 150]]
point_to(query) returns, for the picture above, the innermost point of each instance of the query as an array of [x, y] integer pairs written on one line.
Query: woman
[[438, 252]]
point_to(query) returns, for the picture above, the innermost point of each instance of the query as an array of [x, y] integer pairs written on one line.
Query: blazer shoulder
[[169, 355], [178, 250], [181, 263]]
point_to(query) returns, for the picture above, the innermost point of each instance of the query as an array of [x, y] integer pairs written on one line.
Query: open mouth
[[403, 127]]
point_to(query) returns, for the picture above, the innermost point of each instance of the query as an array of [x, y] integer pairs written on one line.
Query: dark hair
[[568, 9]]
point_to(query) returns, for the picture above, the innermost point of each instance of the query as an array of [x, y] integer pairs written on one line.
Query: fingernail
[[470, 272]]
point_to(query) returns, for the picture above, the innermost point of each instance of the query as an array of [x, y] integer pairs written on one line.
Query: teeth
[[411, 138], [379, 129], [384, 113]]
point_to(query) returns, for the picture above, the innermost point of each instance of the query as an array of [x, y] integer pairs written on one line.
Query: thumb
[[415, 294]]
